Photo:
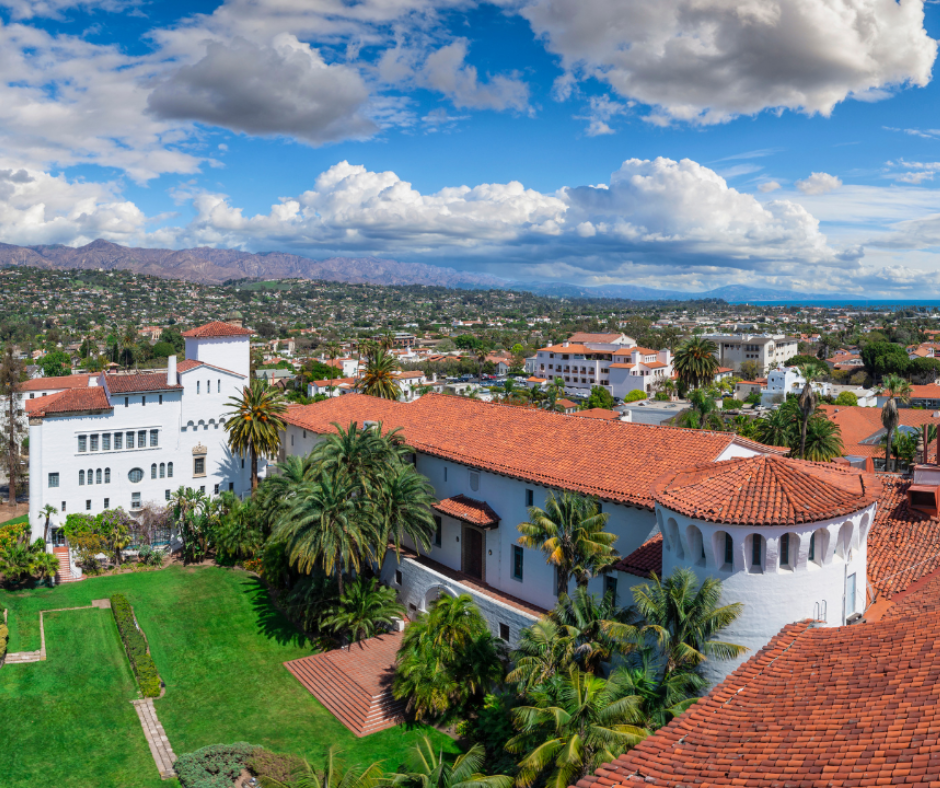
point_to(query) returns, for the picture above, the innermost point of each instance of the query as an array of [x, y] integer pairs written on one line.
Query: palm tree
[[570, 531], [254, 425], [541, 653], [703, 415], [275, 493], [364, 609], [378, 380], [895, 388], [480, 353], [238, 530], [47, 511], [332, 776], [777, 428], [403, 507], [685, 617], [128, 340], [823, 440], [447, 657], [575, 723], [365, 455], [695, 362], [429, 769], [332, 352], [807, 400], [662, 696], [328, 526]]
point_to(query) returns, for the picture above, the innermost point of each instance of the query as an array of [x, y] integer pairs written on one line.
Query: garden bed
[[135, 644]]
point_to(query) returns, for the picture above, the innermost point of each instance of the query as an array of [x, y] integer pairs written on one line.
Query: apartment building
[[768, 350]]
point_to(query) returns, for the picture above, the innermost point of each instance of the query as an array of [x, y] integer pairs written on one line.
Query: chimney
[[171, 371]]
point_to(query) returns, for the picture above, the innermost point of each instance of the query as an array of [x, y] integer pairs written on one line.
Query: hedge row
[[136, 647]]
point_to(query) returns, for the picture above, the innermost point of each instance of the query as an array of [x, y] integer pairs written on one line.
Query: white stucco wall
[[226, 352], [772, 596]]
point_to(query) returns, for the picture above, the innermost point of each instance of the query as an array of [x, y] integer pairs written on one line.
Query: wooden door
[[472, 563]]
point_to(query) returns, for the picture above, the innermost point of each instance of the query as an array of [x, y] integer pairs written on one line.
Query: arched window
[[198, 386], [672, 528], [789, 551], [696, 545], [169, 470], [755, 553], [91, 475], [81, 478], [162, 469], [153, 471], [723, 550], [107, 476], [98, 476], [844, 545], [818, 547]]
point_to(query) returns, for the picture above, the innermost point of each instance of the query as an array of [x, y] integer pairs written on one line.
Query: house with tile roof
[[504, 460], [124, 439]]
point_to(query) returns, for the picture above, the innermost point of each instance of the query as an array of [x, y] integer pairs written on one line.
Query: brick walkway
[[160, 747]]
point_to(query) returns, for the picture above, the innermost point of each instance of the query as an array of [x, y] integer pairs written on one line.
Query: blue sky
[[681, 144]]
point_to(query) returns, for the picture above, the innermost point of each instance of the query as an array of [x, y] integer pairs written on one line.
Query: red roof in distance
[[216, 329]]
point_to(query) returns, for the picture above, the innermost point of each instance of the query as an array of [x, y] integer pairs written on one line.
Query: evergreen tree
[[11, 418]]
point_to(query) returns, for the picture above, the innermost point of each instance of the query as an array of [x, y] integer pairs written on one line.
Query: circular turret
[[787, 538]]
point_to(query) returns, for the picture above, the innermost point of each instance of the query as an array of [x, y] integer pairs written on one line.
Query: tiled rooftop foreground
[[355, 684], [837, 706]]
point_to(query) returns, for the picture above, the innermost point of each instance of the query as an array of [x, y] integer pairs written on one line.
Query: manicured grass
[[219, 646], [16, 520], [68, 721]]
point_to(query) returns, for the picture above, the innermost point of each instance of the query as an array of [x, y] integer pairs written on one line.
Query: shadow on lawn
[[271, 621]]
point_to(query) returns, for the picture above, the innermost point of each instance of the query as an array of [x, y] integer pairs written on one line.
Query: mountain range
[[207, 265]]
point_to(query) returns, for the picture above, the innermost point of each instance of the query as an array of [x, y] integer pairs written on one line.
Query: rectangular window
[[850, 595], [755, 550], [141, 439], [812, 545], [215, 490], [107, 476], [529, 498], [398, 577], [82, 443], [63, 506], [135, 500], [53, 480], [160, 399], [438, 527], [127, 401], [106, 442], [143, 400], [130, 440], [107, 503], [118, 440], [504, 632], [88, 505], [785, 550], [199, 466], [610, 585], [445, 473], [474, 481], [518, 561], [202, 489], [198, 386], [231, 486], [166, 494], [729, 550], [154, 438], [94, 442]]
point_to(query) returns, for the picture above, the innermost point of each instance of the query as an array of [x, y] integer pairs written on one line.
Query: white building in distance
[[768, 350], [129, 438]]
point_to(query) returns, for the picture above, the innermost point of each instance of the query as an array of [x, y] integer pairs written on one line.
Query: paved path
[[156, 737]]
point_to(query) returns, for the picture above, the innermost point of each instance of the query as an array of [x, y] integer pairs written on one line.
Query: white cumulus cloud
[[819, 183]]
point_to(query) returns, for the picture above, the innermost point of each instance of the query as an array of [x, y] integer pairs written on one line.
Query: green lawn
[[219, 646], [16, 520]]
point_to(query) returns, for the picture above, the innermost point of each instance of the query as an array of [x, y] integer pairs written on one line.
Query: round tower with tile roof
[[787, 539]]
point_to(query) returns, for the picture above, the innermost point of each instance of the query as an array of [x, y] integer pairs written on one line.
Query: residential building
[[768, 350], [128, 438], [787, 380]]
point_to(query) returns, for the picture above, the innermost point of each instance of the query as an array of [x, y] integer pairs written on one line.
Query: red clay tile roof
[[573, 347], [468, 510], [616, 461], [90, 398], [929, 391], [857, 424], [190, 364], [647, 558], [582, 336], [139, 382], [598, 413], [355, 684], [61, 382], [766, 490], [216, 329], [903, 544], [815, 708]]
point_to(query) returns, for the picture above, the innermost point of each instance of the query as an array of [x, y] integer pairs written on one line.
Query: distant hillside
[[214, 266]]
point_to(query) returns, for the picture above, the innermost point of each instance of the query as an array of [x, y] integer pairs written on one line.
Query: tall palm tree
[[823, 440], [895, 388], [364, 609], [329, 526], [403, 507], [332, 776], [254, 424], [275, 493], [570, 532], [695, 362], [378, 380], [364, 454], [685, 617], [128, 341], [430, 769], [573, 724], [446, 658], [807, 400], [778, 427], [480, 353]]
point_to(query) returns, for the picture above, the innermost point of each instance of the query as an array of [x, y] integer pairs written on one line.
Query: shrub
[[730, 403], [215, 766], [144, 668], [275, 766], [661, 396], [635, 396], [846, 398], [149, 557]]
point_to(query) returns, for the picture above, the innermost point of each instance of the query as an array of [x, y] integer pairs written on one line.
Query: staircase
[[64, 575]]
